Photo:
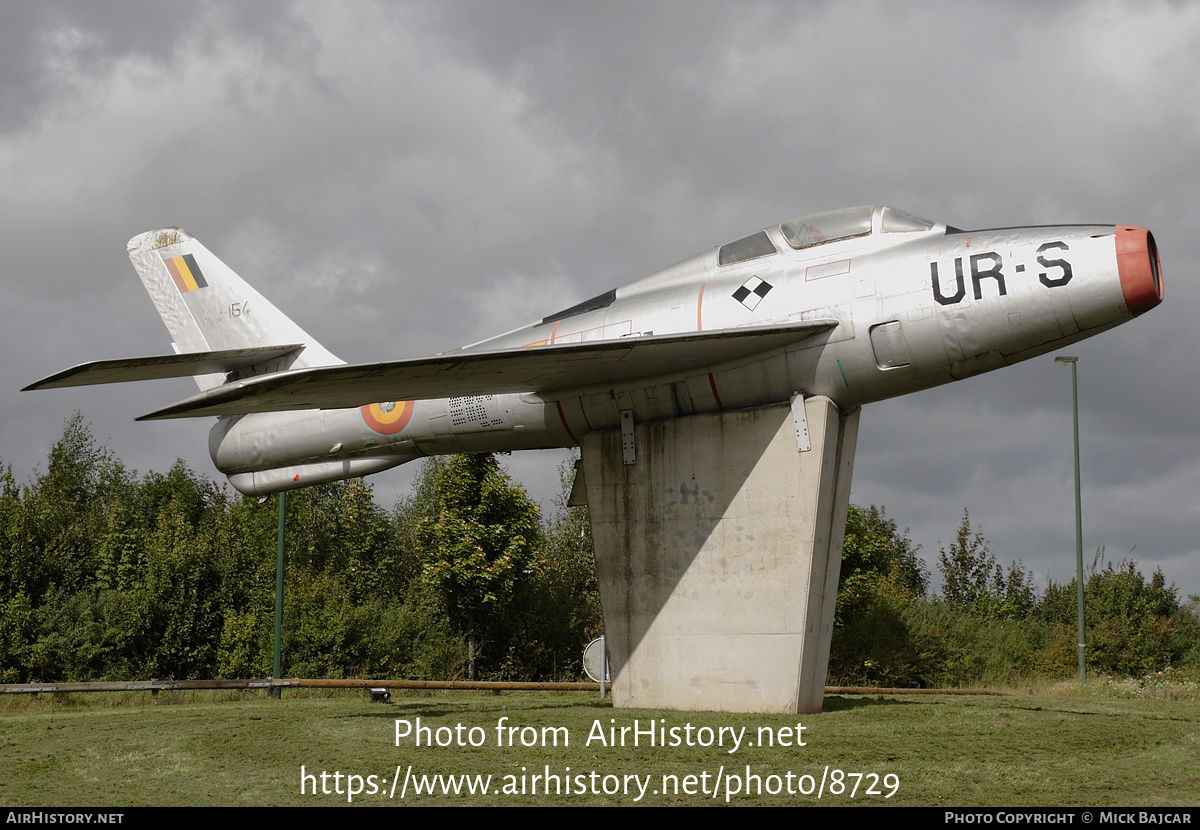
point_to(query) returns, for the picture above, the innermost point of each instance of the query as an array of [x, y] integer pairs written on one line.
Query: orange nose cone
[[1139, 269]]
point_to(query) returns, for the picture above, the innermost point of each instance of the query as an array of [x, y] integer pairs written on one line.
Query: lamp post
[[277, 666], [1063, 361]]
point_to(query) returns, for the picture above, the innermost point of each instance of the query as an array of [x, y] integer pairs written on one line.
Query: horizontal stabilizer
[[161, 366], [552, 371]]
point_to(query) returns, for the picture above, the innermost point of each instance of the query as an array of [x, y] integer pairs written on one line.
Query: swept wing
[[548, 370]]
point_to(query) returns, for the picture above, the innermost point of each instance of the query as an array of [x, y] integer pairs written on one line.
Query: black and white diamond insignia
[[752, 292]]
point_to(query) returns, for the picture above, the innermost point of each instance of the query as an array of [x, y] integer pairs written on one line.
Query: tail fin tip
[[161, 238]]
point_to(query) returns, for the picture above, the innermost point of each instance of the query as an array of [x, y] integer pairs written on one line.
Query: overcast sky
[[404, 178]]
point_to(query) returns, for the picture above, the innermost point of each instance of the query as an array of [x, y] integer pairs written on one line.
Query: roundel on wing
[[389, 417]]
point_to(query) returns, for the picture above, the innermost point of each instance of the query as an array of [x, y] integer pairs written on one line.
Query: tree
[[63, 512], [1133, 627], [480, 547], [872, 544], [1020, 597], [564, 612], [881, 574], [967, 566]]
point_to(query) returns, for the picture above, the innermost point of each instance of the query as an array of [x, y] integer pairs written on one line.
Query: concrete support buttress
[[718, 555]]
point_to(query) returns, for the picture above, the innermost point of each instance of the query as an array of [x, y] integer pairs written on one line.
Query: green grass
[[1056, 747]]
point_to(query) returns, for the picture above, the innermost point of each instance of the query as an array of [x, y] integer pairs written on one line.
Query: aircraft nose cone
[[1139, 268]]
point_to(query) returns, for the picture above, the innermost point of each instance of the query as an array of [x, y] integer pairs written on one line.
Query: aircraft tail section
[[209, 308]]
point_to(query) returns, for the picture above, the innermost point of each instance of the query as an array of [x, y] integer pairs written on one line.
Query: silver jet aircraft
[[716, 404], [857, 305]]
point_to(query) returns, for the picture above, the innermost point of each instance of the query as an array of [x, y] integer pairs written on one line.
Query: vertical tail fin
[[207, 307]]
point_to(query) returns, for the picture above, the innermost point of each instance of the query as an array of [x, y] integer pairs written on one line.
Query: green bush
[[105, 575]]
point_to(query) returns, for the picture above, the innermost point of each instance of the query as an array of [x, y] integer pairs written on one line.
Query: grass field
[[1053, 748]]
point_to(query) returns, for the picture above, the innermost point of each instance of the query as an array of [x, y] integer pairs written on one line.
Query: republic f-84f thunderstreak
[[715, 402]]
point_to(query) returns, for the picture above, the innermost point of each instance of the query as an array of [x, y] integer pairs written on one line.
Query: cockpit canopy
[[833, 225], [821, 229]]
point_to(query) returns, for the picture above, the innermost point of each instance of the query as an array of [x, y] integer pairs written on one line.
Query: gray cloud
[[403, 178]]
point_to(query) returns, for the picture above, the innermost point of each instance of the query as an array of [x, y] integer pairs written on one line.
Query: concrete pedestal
[[718, 554]]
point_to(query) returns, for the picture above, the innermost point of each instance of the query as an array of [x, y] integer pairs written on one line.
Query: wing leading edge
[[552, 371]]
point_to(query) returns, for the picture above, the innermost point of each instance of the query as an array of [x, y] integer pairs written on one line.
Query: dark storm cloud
[[403, 178]]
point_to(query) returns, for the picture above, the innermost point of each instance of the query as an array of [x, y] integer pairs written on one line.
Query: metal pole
[[1078, 528], [1062, 361], [277, 668]]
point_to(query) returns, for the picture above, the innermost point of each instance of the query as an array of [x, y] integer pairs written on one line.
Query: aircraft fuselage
[[914, 308]]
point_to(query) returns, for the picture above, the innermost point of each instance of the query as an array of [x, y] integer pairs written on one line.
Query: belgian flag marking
[[389, 417], [185, 272]]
